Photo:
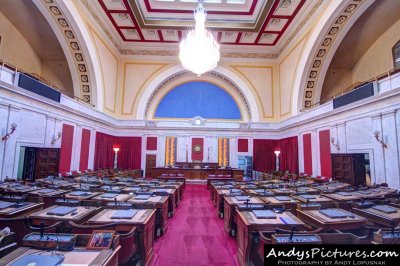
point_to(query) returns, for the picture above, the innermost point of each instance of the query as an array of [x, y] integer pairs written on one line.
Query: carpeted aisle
[[195, 235]]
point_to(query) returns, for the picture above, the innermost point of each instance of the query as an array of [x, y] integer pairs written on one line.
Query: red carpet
[[195, 235]]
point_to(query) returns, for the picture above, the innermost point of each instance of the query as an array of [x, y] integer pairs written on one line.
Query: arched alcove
[[198, 98]]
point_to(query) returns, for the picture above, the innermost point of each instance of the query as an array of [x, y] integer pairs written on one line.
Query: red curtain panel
[[263, 154], [325, 153], [289, 157], [67, 140], [197, 156], [83, 162], [129, 155]]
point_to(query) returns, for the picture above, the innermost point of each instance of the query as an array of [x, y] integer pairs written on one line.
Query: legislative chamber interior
[[196, 132]]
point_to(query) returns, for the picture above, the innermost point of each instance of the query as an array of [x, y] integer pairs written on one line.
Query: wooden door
[[47, 161], [360, 175], [28, 172], [151, 161], [342, 167]]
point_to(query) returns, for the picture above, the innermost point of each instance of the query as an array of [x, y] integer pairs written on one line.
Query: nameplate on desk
[[344, 194], [308, 196], [61, 210], [235, 191], [242, 198], [108, 196], [283, 198], [143, 197], [45, 191], [365, 192], [5, 204], [334, 213], [124, 214], [20, 187], [80, 193], [264, 214], [160, 190], [385, 208]]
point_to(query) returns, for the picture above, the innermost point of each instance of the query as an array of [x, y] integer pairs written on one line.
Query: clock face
[[197, 148]]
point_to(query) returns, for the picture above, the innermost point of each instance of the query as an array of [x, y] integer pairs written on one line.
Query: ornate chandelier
[[199, 52]]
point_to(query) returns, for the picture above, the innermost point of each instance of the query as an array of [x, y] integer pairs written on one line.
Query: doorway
[[151, 161], [38, 163]]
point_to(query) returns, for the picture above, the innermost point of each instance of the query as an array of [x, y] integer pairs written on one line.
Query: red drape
[[325, 153], [67, 141], [83, 163], [263, 154], [289, 157], [129, 155], [197, 156]]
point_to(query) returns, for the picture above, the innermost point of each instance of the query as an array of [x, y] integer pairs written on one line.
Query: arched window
[[396, 55], [202, 99]]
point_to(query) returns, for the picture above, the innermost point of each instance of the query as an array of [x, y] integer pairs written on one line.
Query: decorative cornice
[[323, 49], [74, 46]]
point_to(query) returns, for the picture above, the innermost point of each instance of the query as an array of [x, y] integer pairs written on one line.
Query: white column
[[10, 145], [76, 147], [233, 156], [316, 169], [92, 147], [301, 152], [161, 150], [341, 137]]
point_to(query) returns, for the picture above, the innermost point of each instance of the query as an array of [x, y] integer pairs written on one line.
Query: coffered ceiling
[[256, 23]]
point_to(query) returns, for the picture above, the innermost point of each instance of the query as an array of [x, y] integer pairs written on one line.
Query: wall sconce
[[377, 134], [335, 144], [277, 159], [7, 135], [55, 139]]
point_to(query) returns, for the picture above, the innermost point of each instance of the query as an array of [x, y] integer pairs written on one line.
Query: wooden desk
[[192, 173], [172, 193], [83, 197], [83, 213], [319, 220], [78, 256], [18, 211], [229, 211], [318, 199], [332, 186], [219, 179], [248, 223], [289, 203], [46, 192], [308, 190], [219, 200], [117, 197], [144, 221], [160, 203], [283, 191], [378, 217], [375, 192]]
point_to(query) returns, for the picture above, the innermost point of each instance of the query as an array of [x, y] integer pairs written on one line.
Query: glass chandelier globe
[[199, 52]]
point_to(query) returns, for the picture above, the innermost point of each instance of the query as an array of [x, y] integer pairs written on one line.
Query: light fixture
[[377, 134], [335, 144], [199, 52], [277, 159], [7, 135], [116, 150], [55, 139]]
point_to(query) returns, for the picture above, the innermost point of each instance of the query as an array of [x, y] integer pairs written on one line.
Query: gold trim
[[184, 24], [305, 39], [208, 119], [93, 31], [235, 67], [162, 65]]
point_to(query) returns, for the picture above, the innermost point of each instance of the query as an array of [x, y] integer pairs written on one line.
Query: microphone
[[115, 201], [308, 200], [41, 225], [291, 233]]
